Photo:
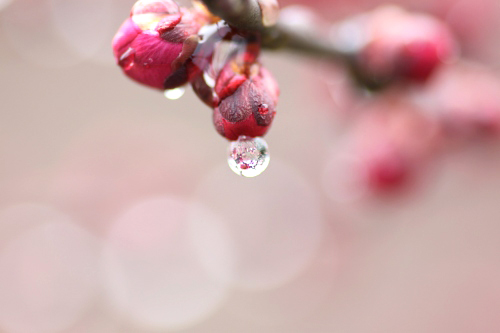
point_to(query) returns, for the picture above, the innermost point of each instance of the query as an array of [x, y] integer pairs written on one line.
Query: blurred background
[[118, 212]]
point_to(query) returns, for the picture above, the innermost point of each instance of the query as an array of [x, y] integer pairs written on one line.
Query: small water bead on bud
[[174, 94], [248, 157]]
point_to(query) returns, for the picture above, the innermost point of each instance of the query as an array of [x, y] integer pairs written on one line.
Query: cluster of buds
[[398, 134], [432, 100], [413, 56], [165, 46]]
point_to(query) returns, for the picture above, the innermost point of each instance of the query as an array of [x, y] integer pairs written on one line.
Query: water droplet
[[263, 109], [248, 157], [127, 59], [209, 80], [176, 93], [147, 63]]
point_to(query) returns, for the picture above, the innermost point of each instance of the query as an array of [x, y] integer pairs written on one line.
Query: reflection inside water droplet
[[176, 93], [263, 109], [248, 157]]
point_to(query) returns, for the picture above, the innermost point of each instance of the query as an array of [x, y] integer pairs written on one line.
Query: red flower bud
[[247, 101], [154, 45], [243, 94]]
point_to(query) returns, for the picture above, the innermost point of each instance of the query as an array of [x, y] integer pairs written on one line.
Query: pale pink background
[[118, 212]]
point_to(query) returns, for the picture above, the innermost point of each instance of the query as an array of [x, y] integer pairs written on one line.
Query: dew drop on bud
[[248, 157], [126, 60], [174, 94], [209, 80]]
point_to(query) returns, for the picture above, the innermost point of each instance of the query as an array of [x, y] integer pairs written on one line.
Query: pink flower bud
[[154, 45], [247, 101], [392, 141], [243, 94], [387, 168]]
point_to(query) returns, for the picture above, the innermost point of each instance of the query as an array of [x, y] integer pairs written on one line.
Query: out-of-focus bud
[[387, 168], [465, 98], [154, 45], [391, 44], [248, 99], [391, 142]]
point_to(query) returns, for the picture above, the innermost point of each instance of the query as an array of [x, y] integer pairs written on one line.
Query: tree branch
[[291, 38], [262, 16], [242, 14]]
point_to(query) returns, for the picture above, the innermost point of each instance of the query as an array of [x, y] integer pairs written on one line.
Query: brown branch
[[308, 43], [261, 16], [242, 14]]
